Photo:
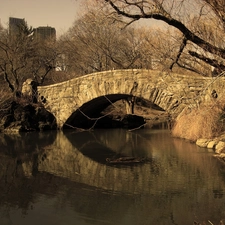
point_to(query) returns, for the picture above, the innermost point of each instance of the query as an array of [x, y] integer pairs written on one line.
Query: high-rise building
[[45, 33], [15, 25]]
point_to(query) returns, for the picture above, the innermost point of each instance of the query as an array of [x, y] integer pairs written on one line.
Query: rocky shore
[[18, 117], [217, 145]]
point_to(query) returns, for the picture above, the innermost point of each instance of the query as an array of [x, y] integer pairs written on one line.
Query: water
[[57, 178]]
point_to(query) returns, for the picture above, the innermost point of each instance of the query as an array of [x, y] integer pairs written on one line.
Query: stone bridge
[[90, 94]]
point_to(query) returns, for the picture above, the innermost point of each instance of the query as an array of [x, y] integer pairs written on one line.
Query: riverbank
[[217, 145], [23, 116]]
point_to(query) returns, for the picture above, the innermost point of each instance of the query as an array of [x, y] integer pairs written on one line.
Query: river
[[63, 178]]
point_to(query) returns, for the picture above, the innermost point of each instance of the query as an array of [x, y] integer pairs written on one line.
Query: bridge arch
[[91, 112], [171, 92]]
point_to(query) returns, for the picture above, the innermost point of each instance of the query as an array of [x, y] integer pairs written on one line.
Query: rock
[[6, 121], [220, 147], [132, 121], [29, 90], [109, 122], [26, 117], [202, 142], [212, 144], [14, 128], [44, 126], [128, 121], [222, 155]]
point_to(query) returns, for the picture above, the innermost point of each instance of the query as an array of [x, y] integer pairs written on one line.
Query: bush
[[203, 122]]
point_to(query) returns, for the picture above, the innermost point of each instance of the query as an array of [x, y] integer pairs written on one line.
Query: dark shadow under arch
[[86, 116]]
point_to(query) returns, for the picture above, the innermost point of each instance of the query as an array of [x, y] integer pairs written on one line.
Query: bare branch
[[167, 18], [212, 62], [183, 44]]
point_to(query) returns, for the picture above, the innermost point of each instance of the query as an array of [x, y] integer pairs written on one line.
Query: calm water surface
[[56, 178]]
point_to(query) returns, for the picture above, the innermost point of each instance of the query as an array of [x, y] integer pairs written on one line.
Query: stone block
[[220, 147], [212, 144], [202, 142], [222, 155]]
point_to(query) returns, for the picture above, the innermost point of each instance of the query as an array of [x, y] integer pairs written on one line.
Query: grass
[[203, 122]]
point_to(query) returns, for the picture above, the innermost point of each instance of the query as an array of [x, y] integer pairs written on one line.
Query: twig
[[95, 118], [137, 127]]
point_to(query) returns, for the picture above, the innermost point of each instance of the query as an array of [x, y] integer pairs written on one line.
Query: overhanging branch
[[161, 15], [212, 62]]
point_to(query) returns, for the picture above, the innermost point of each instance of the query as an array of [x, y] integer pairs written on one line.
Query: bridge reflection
[[77, 156], [81, 157], [55, 162], [114, 143]]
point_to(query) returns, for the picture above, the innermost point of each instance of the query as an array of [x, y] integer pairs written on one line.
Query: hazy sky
[[55, 13]]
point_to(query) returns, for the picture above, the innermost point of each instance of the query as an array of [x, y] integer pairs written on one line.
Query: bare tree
[[201, 40], [14, 55], [44, 59], [22, 57], [96, 42]]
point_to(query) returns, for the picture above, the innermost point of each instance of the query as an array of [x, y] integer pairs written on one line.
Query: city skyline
[[60, 15]]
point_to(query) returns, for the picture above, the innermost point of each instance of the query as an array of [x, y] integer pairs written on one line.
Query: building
[[45, 33], [40, 33], [15, 25]]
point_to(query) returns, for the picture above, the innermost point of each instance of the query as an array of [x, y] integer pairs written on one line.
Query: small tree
[[14, 54]]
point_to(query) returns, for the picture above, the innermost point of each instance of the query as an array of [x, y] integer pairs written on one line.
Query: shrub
[[203, 122]]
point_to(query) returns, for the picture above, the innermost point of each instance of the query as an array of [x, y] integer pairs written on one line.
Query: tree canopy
[[201, 23], [97, 42]]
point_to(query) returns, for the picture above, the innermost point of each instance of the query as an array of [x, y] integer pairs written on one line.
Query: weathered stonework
[[29, 88], [170, 91]]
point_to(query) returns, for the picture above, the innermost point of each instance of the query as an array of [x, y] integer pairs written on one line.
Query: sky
[[59, 14]]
